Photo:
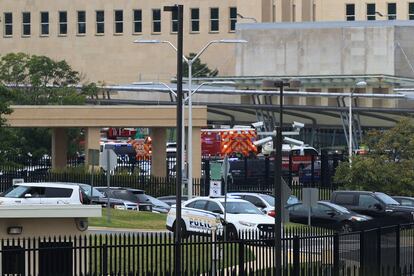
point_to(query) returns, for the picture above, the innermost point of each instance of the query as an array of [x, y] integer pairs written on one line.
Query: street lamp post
[[190, 103], [277, 191], [179, 10], [360, 84]]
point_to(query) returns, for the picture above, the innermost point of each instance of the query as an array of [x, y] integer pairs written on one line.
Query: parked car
[[264, 202], [96, 197], [145, 202], [405, 200], [202, 213], [384, 209], [43, 193], [329, 215], [170, 200]]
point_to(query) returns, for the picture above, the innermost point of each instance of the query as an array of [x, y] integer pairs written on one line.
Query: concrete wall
[[334, 48], [39, 227]]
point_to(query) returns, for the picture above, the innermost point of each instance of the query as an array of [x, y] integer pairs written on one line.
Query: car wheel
[[184, 233], [231, 232], [345, 227]]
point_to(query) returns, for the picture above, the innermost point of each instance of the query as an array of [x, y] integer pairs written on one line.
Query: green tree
[[38, 80], [199, 69], [389, 164]]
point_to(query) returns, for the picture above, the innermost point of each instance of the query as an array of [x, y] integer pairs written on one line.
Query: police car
[[201, 214]]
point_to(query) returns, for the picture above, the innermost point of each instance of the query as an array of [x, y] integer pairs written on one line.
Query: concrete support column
[[59, 148], [196, 152], [159, 151], [92, 137]]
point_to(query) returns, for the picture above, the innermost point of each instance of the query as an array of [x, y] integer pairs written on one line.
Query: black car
[[96, 197], [381, 207], [405, 200], [170, 200], [328, 215], [146, 202]]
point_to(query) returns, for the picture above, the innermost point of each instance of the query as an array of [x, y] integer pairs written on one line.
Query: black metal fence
[[382, 251], [254, 175]]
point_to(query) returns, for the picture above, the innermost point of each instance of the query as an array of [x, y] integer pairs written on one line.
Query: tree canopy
[[389, 165], [37, 80], [199, 69]]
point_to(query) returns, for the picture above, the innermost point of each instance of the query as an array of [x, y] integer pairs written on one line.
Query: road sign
[[215, 187], [93, 157], [108, 157], [310, 199]]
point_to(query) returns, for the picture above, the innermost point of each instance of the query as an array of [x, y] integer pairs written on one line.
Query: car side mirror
[[331, 213], [27, 195], [378, 206], [217, 212]]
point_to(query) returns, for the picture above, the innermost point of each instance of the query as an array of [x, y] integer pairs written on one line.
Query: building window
[[214, 19], [100, 22], [119, 21], [411, 11], [8, 24], [137, 21], [350, 12], [370, 11], [392, 11], [195, 20], [314, 12], [156, 21], [233, 18], [81, 22], [26, 23], [293, 13], [63, 23], [44, 23], [174, 21]]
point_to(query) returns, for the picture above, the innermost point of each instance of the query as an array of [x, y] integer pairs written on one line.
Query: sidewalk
[[128, 230]]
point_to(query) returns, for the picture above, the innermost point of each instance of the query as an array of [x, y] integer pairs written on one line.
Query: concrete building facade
[[96, 37]]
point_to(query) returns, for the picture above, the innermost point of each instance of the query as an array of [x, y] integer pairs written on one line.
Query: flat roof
[[325, 25]]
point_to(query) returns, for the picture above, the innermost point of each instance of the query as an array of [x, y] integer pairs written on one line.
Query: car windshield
[[16, 192], [338, 208], [241, 208], [387, 199], [87, 189], [157, 202], [269, 199]]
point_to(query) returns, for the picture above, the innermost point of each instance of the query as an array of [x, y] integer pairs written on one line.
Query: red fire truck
[[221, 142]]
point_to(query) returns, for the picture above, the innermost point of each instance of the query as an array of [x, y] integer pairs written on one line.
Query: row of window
[[371, 12], [118, 17]]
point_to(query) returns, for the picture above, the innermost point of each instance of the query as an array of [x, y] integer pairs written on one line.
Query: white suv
[[43, 193]]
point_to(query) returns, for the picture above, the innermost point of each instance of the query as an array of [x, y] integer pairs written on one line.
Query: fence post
[[378, 250], [206, 177], [397, 248], [296, 256], [290, 169], [336, 254], [313, 170], [104, 259], [362, 251], [267, 172], [241, 257]]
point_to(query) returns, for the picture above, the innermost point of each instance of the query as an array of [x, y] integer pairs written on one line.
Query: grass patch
[[130, 219]]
